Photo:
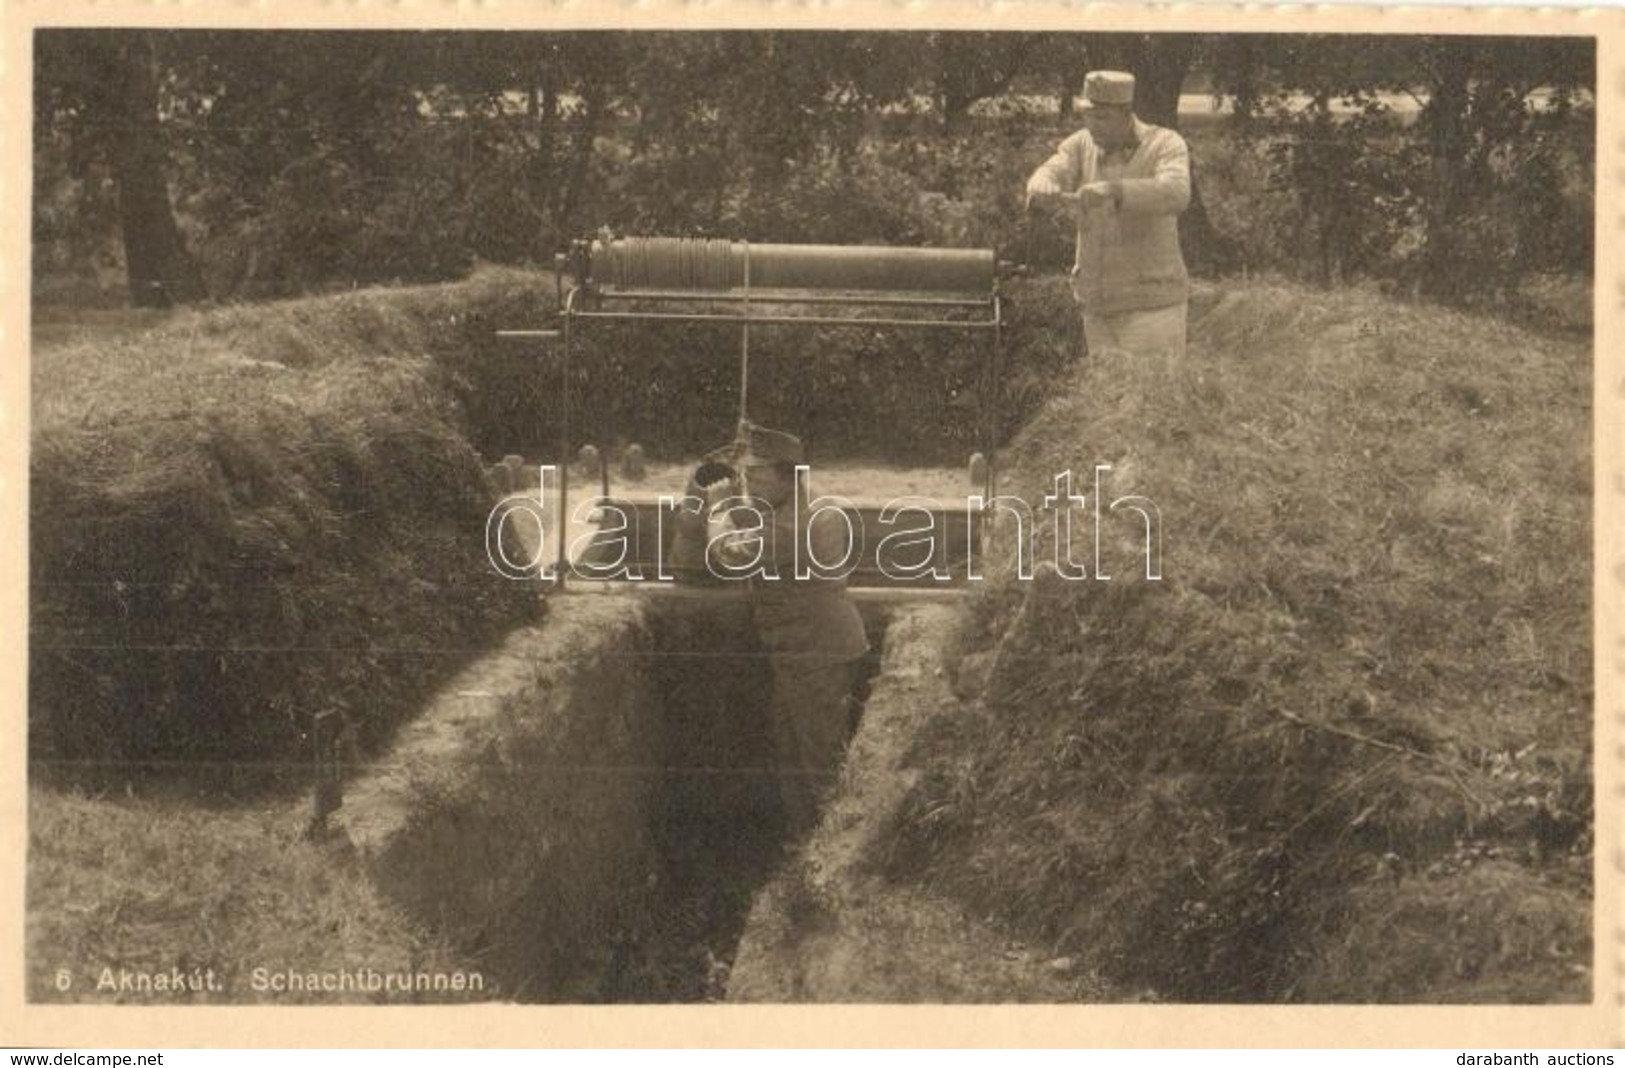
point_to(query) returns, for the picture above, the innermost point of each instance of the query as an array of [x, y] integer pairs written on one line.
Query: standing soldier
[[1127, 181]]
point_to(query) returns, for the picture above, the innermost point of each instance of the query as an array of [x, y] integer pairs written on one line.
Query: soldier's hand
[[1072, 202], [1097, 194], [1043, 193], [711, 482]]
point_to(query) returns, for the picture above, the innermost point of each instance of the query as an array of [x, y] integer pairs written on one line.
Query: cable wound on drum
[[677, 263]]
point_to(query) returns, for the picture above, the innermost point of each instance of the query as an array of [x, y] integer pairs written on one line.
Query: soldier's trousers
[[1149, 332], [811, 712]]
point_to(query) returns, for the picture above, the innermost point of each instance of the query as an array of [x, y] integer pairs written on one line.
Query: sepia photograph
[[793, 516]]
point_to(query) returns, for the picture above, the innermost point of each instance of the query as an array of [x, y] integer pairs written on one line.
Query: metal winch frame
[[698, 280]]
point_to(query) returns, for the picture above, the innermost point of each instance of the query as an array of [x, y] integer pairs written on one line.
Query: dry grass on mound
[[1269, 775], [228, 891], [246, 516]]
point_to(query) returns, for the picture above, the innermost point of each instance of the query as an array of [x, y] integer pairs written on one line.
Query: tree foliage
[[1479, 189], [245, 164], [100, 93]]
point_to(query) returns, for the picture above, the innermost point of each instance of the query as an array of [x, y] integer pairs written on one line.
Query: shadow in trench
[[718, 825]]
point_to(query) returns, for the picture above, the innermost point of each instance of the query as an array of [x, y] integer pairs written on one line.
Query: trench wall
[[587, 812], [512, 814], [830, 926]]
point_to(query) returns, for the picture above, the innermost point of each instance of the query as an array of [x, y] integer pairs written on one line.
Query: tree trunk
[[542, 171], [1159, 74], [1448, 143], [973, 67], [159, 269], [1240, 61], [1069, 59], [951, 77], [1159, 65], [593, 107], [1206, 249]]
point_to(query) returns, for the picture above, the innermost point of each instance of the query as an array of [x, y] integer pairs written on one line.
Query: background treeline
[[174, 166]]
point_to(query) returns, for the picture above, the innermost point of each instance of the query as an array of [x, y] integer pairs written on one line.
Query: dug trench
[[286, 516], [575, 806], [589, 812]]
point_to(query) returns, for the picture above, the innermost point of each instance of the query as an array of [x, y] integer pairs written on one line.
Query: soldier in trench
[[804, 619]]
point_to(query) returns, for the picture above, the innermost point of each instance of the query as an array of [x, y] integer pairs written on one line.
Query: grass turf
[[245, 516], [229, 891], [1354, 717], [1341, 751]]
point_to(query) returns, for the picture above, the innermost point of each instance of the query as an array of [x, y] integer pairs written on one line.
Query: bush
[[1332, 197]]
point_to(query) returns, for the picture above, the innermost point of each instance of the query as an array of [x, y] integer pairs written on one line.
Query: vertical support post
[[990, 419], [326, 738], [993, 398], [742, 432], [561, 521], [744, 348]]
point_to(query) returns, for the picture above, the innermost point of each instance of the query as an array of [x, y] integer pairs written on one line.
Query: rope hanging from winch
[[929, 288], [669, 267], [744, 356]]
